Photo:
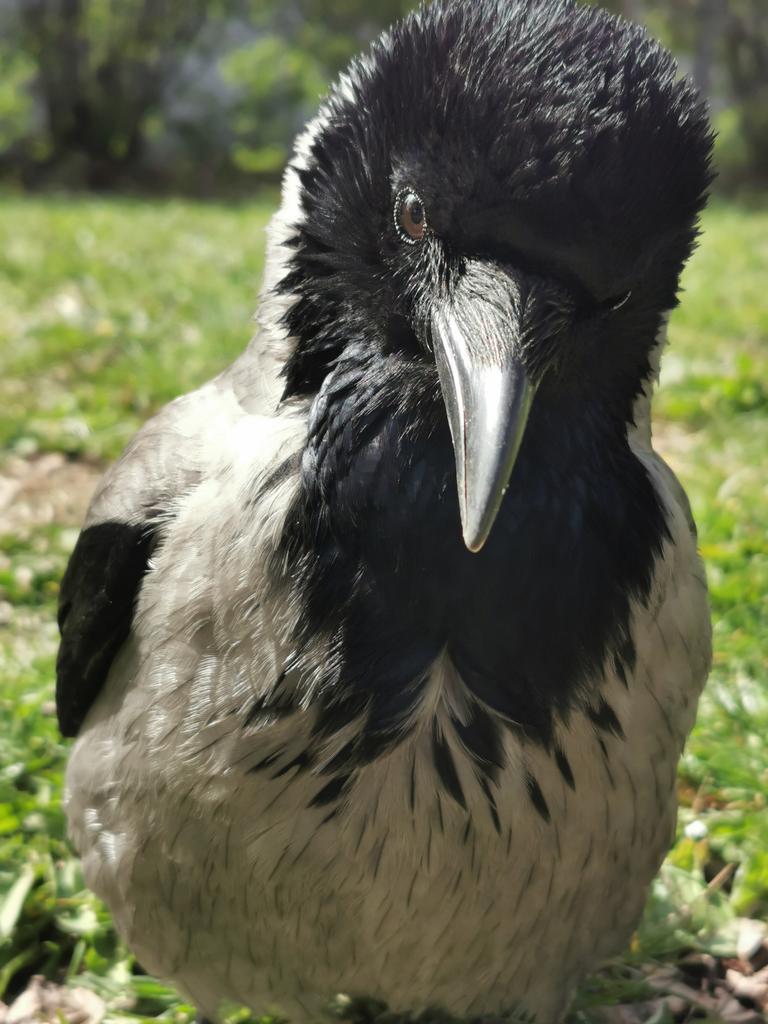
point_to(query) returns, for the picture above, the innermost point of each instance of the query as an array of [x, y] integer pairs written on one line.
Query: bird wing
[[138, 494]]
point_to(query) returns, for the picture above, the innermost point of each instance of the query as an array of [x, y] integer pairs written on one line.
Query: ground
[[110, 308]]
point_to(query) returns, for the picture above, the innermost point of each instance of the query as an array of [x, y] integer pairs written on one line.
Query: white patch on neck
[[274, 306], [641, 433]]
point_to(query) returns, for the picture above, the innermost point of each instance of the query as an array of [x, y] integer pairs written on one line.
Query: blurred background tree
[[207, 95], [97, 72], [723, 45]]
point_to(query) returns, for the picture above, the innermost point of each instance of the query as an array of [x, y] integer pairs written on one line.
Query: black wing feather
[[126, 521], [96, 605]]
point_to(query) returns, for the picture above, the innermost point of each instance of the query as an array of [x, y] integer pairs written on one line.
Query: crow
[[381, 647]]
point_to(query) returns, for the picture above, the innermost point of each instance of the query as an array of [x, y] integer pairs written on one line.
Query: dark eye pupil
[[410, 216], [415, 211]]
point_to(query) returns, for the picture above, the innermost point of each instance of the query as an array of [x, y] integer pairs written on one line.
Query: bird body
[[324, 744], [222, 874]]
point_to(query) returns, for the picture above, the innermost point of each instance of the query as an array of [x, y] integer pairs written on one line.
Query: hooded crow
[[381, 648]]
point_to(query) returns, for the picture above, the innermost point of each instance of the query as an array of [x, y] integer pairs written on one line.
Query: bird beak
[[486, 390]]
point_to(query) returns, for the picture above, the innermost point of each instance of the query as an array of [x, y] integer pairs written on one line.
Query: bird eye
[[410, 217], [618, 301]]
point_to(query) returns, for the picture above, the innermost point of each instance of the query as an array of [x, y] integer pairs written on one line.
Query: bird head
[[499, 196]]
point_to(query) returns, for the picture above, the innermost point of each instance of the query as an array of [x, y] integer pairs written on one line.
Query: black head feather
[[542, 135], [546, 133]]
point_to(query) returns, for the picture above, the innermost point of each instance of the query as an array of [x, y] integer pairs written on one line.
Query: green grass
[[107, 310], [110, 308], [715, 390]]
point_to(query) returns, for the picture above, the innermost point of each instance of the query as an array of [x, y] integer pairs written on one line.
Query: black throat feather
[[374, 550], [546, 137]]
